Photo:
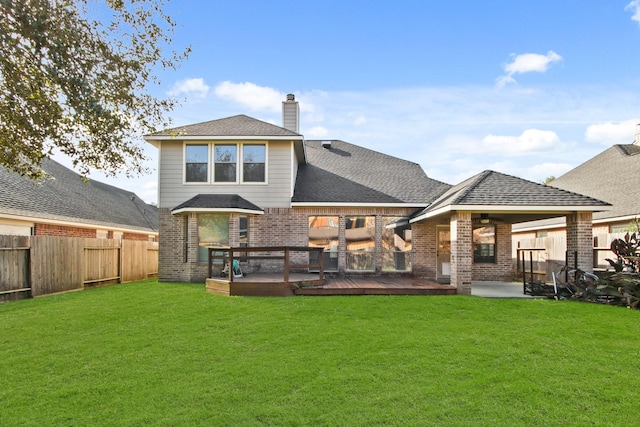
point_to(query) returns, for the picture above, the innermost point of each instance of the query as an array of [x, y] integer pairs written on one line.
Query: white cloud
[[316, 132], [252, 96], [190, 87], [530, 141], [527, 63], [634, 7], [610, 133]]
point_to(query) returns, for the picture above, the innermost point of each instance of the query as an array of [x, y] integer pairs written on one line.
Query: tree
[[76, 76], [549, 179]]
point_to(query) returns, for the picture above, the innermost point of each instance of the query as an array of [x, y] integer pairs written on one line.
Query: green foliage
[[626, 251], [163, 354], [621, 288], [75, 77]]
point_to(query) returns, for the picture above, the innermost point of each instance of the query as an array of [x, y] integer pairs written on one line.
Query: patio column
[[580, 239], [461, 251]]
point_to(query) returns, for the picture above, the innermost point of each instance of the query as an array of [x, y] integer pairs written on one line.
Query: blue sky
[[528, 88]]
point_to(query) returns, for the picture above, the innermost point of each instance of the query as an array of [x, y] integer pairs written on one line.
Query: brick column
[[580, 239], [461, 251]]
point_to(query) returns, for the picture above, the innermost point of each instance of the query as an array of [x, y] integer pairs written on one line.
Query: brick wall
[[580, 238], [289, 227], [276, 227], [63, 231], [424, 249], [461, 253], [502, 269]]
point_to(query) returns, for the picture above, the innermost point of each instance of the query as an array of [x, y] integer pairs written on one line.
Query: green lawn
[[151, 353]]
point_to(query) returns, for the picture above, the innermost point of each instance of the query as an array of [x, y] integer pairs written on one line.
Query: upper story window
[[230, 163], [253, 163], [225, 163], [196, 163]]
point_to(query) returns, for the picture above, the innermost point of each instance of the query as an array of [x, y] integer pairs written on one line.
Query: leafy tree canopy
[[75, 76]]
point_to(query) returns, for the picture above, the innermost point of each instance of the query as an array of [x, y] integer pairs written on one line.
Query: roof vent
[[326, 144], [291, 97]]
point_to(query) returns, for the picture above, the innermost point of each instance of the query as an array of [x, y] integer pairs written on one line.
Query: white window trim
[[266, 164], [213, 163], [239, 163], [184, 165]]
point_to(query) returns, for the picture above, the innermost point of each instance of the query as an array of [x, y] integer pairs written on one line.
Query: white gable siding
[[276, 193]]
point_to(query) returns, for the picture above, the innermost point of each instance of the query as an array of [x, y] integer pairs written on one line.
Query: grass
[[151, 353]]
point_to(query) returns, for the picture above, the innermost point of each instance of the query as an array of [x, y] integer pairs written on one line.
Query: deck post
[[286, 265], [321, 257], [230, 272]]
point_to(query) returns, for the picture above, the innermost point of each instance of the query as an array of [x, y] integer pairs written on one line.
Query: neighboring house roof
[[341, 173], [612, 175], [66, 196], [217, 203], [494, 191]]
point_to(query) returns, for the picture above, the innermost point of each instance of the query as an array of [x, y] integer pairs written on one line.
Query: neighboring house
[[64, 204], [239, 181], [614, 176]]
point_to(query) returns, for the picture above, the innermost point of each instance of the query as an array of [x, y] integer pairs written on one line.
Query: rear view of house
[[239, 181]]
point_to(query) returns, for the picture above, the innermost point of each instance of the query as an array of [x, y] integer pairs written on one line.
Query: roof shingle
[[347, 173], [65, 195]]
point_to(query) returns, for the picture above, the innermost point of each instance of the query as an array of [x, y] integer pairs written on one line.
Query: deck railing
[[247, 254]]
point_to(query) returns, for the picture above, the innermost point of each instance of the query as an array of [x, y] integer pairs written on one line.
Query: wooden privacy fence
[[549, 253], [41, 265]]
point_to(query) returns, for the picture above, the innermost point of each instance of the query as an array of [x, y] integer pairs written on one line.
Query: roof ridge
[[475, 182]]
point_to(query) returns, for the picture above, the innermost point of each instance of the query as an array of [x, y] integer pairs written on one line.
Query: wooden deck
[[263, 284]]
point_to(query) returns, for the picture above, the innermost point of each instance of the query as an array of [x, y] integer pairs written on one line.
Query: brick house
[[64, 204], [238, 181]]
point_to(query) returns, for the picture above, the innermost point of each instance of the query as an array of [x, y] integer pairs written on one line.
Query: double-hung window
[[253, 163], [197, 163], [225, 163], [230, 163]]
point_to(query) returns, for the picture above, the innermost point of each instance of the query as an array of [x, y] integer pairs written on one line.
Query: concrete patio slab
[[488, 289]]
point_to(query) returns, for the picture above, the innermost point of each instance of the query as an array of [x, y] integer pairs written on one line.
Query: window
[[225, 160], [196, 163], [213, 230], [253, 163], [323, 233], [244, 231], [396, 244], [360, 234], [484, 244]]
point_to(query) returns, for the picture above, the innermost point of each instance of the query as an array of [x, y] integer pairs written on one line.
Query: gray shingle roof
[[347, 173], [490, 188], [217, 201], [239, 125], [613, 175], [66, 196]]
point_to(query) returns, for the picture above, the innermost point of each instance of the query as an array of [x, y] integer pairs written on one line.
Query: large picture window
[[484, 244], [360, 234], [225, 163], [396, 244], [196, 163], [253, 163], [213, 230], [323, 233]]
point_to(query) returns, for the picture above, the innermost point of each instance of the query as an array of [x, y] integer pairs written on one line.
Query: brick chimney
[[291, 114]]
